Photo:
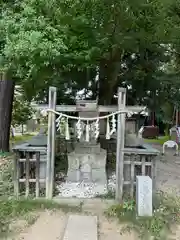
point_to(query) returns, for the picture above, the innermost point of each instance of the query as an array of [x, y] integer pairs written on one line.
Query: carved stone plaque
[[86, 173]]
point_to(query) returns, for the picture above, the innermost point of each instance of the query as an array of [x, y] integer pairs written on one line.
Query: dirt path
[[51, 226], [168, 172], [112, 230]]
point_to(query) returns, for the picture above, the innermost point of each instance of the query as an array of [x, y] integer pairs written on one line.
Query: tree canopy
[[95, 45], [67, 44]]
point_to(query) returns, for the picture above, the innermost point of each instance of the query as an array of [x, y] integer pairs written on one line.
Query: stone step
[[56, 226], [81, 228]]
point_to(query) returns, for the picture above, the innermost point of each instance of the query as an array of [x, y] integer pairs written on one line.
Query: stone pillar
[[88, 162]]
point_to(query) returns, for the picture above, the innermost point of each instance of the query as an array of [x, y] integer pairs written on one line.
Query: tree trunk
[[108, 77], [6, 103], [152, 118], [177, 117], [109, 70]]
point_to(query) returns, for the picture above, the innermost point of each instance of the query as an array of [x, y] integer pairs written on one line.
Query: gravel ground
[[168, 172]]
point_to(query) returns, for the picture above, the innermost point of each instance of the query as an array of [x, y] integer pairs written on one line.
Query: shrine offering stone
[[87, 163], [144, 196]]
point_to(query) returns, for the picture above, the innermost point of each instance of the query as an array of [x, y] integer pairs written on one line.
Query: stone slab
[[97, 176], [75, 160], [81, 228], [73, 175], [89, 149], [144, 196], [86, 173]]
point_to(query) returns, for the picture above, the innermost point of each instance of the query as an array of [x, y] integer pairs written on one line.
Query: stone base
[[95, 176], [87, 164]]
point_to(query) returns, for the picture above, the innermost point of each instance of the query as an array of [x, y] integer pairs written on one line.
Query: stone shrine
[[87, 163]]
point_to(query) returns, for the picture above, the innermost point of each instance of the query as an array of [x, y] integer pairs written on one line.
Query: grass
[[109, 195], [11, 208], [5, 154], [160, 141], [165, 215], [20, 138], [158, 227]]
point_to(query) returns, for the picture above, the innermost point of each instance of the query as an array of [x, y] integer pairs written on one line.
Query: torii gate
[[121, 110]]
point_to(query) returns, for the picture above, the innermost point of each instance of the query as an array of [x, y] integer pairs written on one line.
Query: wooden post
[[120, 144], [51, 144], [153, 172], [27, 173], [132, 176], [177, 116], [37, 173], [143, 167], [16, 174]]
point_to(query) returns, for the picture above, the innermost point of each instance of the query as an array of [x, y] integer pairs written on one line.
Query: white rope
[[87, 131], [89, 119], [113, 125], [96, 128], [79, 128], [62, 124], [67, 135]]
